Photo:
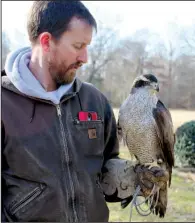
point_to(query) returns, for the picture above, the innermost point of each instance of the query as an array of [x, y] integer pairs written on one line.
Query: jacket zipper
[[67, 159], [31, 196]]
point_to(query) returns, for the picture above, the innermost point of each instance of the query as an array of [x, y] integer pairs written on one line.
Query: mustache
[[75, 65]]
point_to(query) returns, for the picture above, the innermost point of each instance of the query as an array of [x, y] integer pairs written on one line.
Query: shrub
[[185, 145]]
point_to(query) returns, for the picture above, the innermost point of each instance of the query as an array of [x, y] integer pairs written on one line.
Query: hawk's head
[[148, 81]]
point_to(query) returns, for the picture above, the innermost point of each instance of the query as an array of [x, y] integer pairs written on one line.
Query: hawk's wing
[[120, 134], [164, 127]]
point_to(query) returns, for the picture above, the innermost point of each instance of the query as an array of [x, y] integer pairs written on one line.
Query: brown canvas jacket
[[51, 161]]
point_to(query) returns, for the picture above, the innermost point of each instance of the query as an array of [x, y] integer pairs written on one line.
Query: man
[[58, 134]]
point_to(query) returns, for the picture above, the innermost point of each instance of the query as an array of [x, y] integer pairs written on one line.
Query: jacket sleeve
[[3, 218], [118, 176], [111, 143]]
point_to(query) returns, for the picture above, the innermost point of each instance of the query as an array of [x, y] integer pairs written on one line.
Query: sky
[[125, 16]]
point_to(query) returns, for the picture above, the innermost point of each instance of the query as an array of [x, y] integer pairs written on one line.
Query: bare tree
[[184, 82], [113, 65], [188, 35], [100, 54]]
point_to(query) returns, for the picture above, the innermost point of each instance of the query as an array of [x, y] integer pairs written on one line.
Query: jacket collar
[[7, 84]]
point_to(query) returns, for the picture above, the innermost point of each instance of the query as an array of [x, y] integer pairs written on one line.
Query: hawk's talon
[[150, 165]]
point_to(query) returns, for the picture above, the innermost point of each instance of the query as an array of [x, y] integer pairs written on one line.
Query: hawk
[[146, 127]]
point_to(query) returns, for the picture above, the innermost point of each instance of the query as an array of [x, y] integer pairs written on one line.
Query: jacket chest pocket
[[90, 136]]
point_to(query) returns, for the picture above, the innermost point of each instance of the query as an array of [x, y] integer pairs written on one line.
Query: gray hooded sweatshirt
[[16, 68]]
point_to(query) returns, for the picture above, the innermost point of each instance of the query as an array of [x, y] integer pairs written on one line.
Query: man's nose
[[83, 57]]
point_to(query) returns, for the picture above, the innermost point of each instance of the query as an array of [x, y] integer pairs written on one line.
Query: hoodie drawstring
[[33, 112], [80, 101]]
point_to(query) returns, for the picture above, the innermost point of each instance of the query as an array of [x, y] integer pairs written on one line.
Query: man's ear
[[45, 41]]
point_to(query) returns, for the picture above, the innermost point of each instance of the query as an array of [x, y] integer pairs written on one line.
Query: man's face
[[69, 52]]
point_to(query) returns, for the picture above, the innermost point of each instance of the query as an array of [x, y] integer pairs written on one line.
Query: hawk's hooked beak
[[157, 88]]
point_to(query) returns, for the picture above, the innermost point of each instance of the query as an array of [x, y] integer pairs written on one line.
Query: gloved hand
[[121, 177], [118, 180]]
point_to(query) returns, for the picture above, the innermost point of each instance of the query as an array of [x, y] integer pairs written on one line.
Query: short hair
[[54, 17]]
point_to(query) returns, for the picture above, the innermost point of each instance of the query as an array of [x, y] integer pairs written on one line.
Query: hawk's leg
[[150, 165]]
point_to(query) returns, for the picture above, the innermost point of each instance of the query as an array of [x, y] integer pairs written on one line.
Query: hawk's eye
[[140, 83]]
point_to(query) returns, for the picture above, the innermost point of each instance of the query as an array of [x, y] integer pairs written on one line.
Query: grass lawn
[[181, 199]]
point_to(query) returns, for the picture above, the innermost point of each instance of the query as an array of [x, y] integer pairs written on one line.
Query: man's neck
[[39, 69]]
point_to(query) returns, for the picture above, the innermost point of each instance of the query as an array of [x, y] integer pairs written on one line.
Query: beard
[[61, 74]]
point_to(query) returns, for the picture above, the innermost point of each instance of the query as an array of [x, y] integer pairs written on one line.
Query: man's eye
[[78, 47]]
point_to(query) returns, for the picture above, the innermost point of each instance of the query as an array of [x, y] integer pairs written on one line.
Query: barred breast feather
[[138, 125]]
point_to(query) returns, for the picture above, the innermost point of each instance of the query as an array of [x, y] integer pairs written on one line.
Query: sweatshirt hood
[[18, 73]]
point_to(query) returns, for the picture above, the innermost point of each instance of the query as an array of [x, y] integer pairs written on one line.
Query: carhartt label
[[92, 133]]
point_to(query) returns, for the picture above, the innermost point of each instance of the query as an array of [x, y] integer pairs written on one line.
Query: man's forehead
[[81, 28]]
